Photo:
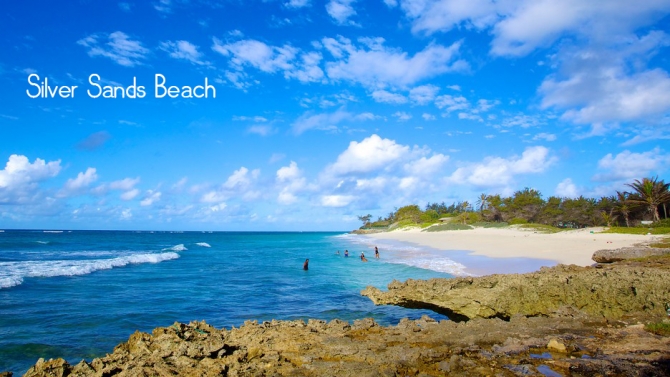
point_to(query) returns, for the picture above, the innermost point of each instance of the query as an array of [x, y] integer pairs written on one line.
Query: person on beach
[[346, 253], [363, 258], [376, 252], [306, 265]]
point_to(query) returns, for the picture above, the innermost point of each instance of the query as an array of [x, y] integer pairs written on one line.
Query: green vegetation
[[663, 244], [542, 228], [658, 328], [638, 230], [624, 212], [447, 226]]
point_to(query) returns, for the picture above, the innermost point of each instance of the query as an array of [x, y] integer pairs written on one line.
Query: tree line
[[647, 199]]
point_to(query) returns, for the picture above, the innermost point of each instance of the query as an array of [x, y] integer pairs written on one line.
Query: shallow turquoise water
[[78, 294]]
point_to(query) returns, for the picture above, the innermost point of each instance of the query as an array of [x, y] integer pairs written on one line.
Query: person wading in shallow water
[[376, 252], [346, 253], [363, 258], [306, 265]]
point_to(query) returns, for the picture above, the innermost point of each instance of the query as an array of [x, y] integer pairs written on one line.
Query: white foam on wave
[[17, 271], [179, 247], [397, 252], [203, 244], [52, 231], [43, 242]]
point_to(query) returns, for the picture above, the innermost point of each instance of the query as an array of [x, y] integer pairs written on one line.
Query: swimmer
[[363, 258], [306, 265], [338, 252], [376, 252], [346, 253]]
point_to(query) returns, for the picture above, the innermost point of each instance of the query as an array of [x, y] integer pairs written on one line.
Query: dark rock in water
[[616, 255], [6, 374]]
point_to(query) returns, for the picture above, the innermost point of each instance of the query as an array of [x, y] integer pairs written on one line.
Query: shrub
[[448, 226], [518, 220], [658, 328]]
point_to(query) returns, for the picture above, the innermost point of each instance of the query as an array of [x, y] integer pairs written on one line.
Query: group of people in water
[[305, 266]]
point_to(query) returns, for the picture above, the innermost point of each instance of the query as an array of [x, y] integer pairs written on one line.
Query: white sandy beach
[[568, 247]]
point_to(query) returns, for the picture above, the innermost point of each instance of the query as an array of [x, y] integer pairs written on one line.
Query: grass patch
[[542, 228], [485, 224], [637, 230], [658, 328], [448, 226], [663, 244]]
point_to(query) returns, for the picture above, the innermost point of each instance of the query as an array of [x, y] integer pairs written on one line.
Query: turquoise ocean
[[77, 294]]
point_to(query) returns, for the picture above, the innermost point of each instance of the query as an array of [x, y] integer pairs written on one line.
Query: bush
[[518, 220], [659, 328]]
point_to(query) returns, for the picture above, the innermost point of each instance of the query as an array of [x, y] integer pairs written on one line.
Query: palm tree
[[622, 205], [650, 192], [482, 202]]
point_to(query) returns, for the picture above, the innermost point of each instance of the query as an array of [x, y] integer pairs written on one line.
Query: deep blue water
[[77, 294]]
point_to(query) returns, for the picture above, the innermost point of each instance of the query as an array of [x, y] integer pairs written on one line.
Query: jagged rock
[[608, 292], [588, 344], [609, 256]]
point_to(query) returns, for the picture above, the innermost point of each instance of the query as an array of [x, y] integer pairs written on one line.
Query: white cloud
[[402, 116], [384, 96], [261, 130], [499, 172], [523, 121], [427, 116], [287, 173], [375, 65], [83, 180], [124, 184], [629, 165], [150, 198], [452, 103], [130, 194], [327, 121], [271, 59], [372, 153], [566, 189], [336, 200], [426, 166], [119, 47], [544, 136], [291, 181], [423, 94], [470, 116], [184, 50], [340, 10], [297, 3], [20, 178], [391, 3], [241, 178]]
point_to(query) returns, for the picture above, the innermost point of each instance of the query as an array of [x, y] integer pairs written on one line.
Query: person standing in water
[[306, 265], [376, 252], [346, 253], [363, 258]]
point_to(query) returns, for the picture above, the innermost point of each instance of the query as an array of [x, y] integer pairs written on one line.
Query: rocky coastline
[[559, 321]]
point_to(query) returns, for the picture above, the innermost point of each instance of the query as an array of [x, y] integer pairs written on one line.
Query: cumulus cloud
[[566, 189], [500, 172], [452, 103], [336, 200], [297, 3], [20, 178], [629, 165], [402, 116], [290, 181], [117, 46], [372, 153], [82, 181]]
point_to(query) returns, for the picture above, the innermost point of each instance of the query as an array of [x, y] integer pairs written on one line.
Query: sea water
[[76, 294]]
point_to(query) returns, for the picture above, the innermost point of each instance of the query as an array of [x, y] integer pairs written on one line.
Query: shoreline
[[511, 250]]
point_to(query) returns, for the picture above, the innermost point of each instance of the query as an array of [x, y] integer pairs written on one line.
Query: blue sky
[[324, 110]]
